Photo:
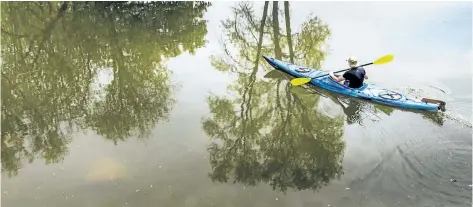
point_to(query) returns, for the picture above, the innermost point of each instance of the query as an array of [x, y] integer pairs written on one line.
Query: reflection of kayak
[[367, 91]]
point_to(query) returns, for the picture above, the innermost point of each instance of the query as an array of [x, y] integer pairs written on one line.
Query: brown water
[[168, 104]]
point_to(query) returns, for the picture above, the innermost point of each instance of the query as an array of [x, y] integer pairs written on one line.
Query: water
[[109, 104]]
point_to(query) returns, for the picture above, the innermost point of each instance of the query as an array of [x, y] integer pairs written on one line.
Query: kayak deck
[[368, 91]]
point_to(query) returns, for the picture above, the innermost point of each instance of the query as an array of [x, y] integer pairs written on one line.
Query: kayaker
[[354, 77]]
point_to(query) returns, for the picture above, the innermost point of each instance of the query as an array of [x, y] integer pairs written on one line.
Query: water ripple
[[441, 168], [431, 168]]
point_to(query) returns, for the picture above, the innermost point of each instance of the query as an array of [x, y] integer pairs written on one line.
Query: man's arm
[[337, 79]]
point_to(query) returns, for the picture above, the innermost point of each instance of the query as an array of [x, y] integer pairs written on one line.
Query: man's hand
[[337, 79], [333, 76]]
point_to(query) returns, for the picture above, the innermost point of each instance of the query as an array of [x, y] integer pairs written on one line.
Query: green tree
[[272, 136], [53, 54]]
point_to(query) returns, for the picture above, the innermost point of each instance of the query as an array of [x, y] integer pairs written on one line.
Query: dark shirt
[[354, 77]]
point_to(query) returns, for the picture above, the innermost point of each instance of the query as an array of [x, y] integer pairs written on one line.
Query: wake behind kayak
[[368, 91]]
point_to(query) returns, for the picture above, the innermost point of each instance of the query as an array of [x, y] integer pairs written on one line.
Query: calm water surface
[[170, 104]]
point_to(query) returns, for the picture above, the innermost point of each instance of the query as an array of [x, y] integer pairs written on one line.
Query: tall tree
[[54, 53], [273, 136]]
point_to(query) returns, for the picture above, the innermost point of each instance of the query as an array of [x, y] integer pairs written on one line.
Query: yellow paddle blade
[[299, 81], [384, 59]]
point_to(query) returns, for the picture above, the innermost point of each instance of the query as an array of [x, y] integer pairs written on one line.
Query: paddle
[[382, 60]]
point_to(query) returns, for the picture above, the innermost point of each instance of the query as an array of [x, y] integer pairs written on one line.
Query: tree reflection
[[53, 52], [273, 136]]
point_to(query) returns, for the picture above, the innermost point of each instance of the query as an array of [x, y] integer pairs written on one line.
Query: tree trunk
[[277, 48], [288, 30], [261, 31]]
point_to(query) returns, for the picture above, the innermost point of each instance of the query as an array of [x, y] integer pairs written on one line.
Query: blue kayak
[[367, 91]]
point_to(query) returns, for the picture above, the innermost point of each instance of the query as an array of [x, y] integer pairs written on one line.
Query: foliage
[[53, 54], [266, 133]]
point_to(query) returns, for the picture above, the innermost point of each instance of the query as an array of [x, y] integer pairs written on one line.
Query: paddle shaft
[[344, 70]]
